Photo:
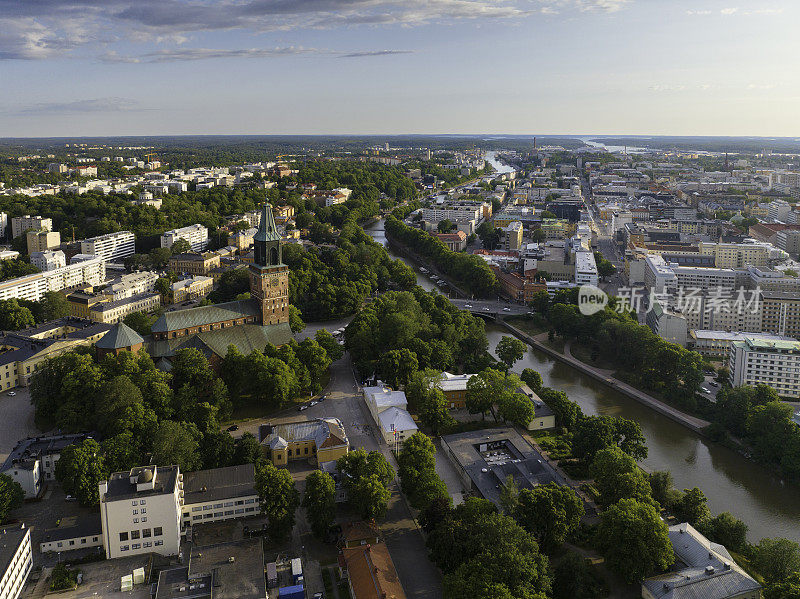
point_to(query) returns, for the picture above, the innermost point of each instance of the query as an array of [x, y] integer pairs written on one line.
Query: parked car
[[233, 427], [486, 309], [714, 383], [468, 305], [705, 390], [301, 408], [313, 403], [12, 393], [323, 397]]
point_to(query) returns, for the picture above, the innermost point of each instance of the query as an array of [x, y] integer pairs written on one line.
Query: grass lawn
[[558, 447]]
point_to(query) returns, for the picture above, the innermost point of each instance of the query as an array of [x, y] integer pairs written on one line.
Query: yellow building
[[194, 264], [22, 352], [316, 441], [41, 241], [735, 255], [192, 288], [81, 302], [115, 311]]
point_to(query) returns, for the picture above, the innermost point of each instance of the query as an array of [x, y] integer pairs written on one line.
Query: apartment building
[[48, 260], [668, 325], [789, 241], [194, 263], [453, 212], [780, 313], [41, 241], [112, 246], [130, 284], [754, 361], [191, 288], [716, 345], [512, 236], [779, 210], [33, 287], [736, 255], [196, 235], [20, 224], [16, 559], [218, 494]]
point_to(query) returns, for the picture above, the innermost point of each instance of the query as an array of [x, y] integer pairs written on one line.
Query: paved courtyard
[[17, 421]]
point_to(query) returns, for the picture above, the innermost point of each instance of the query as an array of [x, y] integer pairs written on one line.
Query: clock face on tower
[[275, 282]]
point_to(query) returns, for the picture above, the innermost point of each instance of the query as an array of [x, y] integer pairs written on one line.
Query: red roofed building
[[456, 242], [371, 573]]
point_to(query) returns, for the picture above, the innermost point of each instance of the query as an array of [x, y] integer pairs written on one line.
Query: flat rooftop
[[489, 456], [219, 483]]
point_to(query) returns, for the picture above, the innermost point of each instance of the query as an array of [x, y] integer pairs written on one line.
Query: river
[[769, 507], [499, 167]]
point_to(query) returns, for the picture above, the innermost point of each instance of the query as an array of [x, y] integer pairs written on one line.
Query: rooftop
[[396, 419], [219, 483], [120, 336], [325, 432], [36, 447], [204, 315], [120, 486], [72, 527], [372, 573], [383, 397], [11, 538]]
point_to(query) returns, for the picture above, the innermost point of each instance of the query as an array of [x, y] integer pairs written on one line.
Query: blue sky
[[145, 67]]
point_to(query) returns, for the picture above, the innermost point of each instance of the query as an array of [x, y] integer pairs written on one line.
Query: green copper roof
[[120, 336], [267, 231]]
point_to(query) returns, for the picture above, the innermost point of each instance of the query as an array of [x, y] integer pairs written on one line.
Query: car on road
[[468, 305], [705, 390], [233, 427], [506, 309], [12, 393], [301, 408], [69, 498], [487, 309], [323, 397], [313, 403]]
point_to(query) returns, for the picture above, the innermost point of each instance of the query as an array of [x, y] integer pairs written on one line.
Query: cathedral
[[247, 324]]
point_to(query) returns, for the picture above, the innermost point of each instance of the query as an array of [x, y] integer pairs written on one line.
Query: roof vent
[[709, 570], [727, 565]]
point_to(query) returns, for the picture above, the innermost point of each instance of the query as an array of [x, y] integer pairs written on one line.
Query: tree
[[279, 499], [573, 578], [397, 366], [550, 512], [532, 378], [11, 496], [319, 500], [566, 412], [296, 323], [14, 317], [726, 530], [177, 443], [488, 387], [367, 477], [509, 496], [247, 449], [80, 469], [617, 476], [53, 305], [509, 350], [121, 452], [445, 226], [634, 540], [332, 347], [661, 485], [785, 589], [315, 359], [593, 433], [433, 411], [139, 322], [181, 246], [777, 559], [417, 470], [691, 507]]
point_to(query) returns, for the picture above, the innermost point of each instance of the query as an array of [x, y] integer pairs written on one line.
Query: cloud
[[729, 11], [189, 54], [734, 10], [111, 104], [375, 53], [552, 7]]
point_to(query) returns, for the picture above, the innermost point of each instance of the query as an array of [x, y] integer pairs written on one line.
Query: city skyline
[[568, 67]]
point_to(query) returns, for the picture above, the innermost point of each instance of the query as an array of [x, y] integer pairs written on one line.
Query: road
[[490, 307]]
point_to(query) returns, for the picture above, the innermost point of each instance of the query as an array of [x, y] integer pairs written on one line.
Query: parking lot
[[17, 422]]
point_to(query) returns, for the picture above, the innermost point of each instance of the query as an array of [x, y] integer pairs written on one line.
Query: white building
[[149, 508], [671, 327], [196, 235], [585, 268], [20, 224], [140, 511], [388, 410], [754, 361], [3, 224], [717, 344], [112, 246], [16, 556], [779, 210], [131, 284], [48, 260], [33, 287]]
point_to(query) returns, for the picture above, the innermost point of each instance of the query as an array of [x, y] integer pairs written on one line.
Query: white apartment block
[[20, 224], [112, 246], [140, 511], [48, 260], [717, 344], [196, 235], [3, 224], [736, 255], [664, 277], [454, 213], [779, 210], [754, 361], [33, 287], [16, 555]]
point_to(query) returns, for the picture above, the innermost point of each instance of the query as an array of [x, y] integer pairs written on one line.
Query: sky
[[174, 67]]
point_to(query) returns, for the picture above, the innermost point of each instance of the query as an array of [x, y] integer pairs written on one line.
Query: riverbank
[[691, 422], [411, 255]]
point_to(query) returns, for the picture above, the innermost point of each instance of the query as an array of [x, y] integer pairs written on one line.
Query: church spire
[[267, 241]]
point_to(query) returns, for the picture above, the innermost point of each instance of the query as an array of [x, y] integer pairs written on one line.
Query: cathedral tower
[[269, 276]]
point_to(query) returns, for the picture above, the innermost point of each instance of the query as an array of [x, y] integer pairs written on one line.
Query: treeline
[[643, 358], [402, 332], [16, 267], [17, 314], [469, 271]]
